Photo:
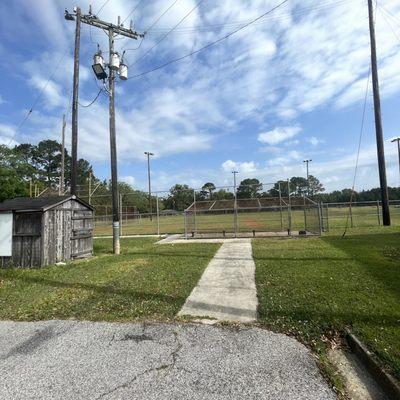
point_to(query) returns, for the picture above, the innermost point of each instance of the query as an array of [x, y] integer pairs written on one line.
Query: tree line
[[25, 166]]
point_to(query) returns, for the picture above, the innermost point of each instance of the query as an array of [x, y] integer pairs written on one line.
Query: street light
[[398, 148], [148, 154], [98, 66], [308, 181]]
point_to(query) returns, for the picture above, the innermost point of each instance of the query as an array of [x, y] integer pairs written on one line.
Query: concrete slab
[[72, 360], [226, 291]]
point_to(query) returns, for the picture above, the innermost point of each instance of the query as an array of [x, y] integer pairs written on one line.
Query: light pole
[[398, 148], [308, 181], [235, 201], [148, 154]]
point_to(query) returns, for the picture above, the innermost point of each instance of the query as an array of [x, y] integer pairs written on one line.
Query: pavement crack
[[173, 356]]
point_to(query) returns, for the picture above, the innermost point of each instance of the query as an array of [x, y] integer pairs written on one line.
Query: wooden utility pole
[[112, 31], [75, 96], [113, 148], [61, 188], [378, 120]]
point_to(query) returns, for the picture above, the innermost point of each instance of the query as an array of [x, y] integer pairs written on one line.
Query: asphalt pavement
[[87, 360]]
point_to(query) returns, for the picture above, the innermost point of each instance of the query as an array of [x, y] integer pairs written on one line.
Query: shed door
[[6, 230], [82, 237]]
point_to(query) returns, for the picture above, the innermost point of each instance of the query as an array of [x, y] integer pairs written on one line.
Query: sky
[[287, 88]]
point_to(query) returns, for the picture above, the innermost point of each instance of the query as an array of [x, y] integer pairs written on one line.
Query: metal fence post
[[120, 214], [185, 218], [320, 218], [289, 209], [351, 217], [305, 214], [378, 213], [158, 215], [195, 214], [280, 204]]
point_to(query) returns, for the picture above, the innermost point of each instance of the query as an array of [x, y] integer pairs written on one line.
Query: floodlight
[[99, 71]]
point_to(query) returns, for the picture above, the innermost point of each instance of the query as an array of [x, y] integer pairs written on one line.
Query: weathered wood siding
[[27, 239], [67, 232]]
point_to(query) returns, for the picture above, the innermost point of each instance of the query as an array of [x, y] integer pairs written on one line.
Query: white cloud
[[241, 167], [7, 134], [314, 141], [130, 180], [279, 134]]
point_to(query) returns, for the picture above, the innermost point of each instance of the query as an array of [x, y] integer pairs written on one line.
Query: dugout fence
[[264, 216]]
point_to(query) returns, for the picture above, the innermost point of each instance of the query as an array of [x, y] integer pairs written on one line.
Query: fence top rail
[[355, 203]]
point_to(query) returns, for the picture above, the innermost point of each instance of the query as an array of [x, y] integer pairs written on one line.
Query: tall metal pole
[[308, 176], [74, 144], [113, 148], [148, 153], [398, 148], [235, 201], [378, 120], [62, 178], [90, 188]]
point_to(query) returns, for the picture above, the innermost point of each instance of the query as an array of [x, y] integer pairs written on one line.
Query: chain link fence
[[213, 212], [359, 214]]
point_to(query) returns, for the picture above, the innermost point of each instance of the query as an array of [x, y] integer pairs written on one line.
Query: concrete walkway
[[226, 291]]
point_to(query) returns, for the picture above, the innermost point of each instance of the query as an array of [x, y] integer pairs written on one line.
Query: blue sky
[[287, 88]]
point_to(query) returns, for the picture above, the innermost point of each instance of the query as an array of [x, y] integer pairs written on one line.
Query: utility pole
[[113, 148], [61, 188], [75, 96], [398, 148], [114, 65], [308, 177], [148, 154], [378, 120]]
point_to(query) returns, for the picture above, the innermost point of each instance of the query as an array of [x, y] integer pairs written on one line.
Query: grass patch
[[312, 288], [145, 281]]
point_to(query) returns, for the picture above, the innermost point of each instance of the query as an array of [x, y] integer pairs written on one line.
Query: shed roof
[[37, 203]]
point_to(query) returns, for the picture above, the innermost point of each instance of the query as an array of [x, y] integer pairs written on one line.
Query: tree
[[180, 197], [47, 160], [249, 188], [208, 187], [314, 186], [222, 194]]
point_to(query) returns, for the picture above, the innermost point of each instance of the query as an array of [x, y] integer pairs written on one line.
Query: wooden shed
[[35, 232]]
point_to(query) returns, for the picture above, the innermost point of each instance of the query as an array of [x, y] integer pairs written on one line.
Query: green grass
[[313, 288], [145, 281]]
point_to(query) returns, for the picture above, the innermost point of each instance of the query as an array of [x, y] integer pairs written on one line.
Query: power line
[[381, 9], [101, 8], [133, 10], [93, 101], [153, 24], [171, 30], [38, 97], [205, 28], [210, 44]]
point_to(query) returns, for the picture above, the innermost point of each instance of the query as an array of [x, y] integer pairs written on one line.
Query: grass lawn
[[145, 281], [318, 286]]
